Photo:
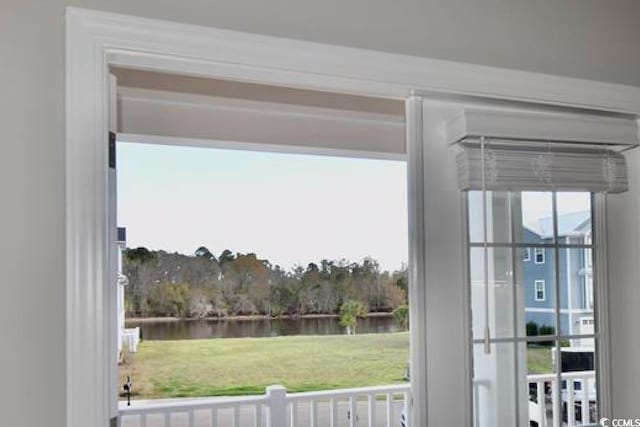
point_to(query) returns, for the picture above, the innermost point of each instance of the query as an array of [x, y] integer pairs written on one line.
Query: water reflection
[[213, 328]]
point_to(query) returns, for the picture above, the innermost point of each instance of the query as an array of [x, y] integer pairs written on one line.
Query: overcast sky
[[290, 209]]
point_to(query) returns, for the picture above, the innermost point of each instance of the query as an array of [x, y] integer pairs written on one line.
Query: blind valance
[[518, 167]]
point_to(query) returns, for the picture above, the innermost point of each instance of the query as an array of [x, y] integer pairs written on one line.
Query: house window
[[527, 254], [539, 290], [539, 254]]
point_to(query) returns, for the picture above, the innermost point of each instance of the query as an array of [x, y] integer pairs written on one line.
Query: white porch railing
[[381, 406], [577, 399]]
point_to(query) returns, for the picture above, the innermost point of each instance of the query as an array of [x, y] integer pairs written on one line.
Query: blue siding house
[[575, 273]]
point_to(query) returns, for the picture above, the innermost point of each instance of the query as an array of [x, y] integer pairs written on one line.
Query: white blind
[[516, 167]]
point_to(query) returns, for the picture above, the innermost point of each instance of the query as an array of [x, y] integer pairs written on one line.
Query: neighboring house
[[575, 274]]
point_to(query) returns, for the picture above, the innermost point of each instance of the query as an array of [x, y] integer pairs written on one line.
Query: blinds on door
[[518, 168], [525, 151]]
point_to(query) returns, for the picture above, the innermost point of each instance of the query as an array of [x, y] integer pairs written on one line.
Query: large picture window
[[532, 323]]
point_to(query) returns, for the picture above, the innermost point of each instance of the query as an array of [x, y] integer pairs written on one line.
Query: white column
[[438, 295], [111, 290]]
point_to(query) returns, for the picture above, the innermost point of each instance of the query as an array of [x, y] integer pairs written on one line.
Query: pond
[[240, 328]]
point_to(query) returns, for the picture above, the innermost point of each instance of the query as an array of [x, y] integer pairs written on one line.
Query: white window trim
[[527, 254], [540, 251], [97, 40], [535, 290]]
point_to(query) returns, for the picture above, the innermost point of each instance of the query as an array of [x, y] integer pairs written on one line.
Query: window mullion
[[556, 285], [514, 308]]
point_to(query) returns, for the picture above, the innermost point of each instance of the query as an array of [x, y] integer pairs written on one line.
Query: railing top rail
[[565, 375], [349, 392], [194, 405]]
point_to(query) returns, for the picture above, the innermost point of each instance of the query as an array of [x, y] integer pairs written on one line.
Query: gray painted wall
[[580, 38]]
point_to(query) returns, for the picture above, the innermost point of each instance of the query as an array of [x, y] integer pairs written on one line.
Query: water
[[214, 328]]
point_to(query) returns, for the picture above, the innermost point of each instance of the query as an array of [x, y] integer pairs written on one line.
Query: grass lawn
[[240, 366], [539, 360], [237, 366]]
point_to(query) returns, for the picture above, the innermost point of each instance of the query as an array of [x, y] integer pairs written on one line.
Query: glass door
[[532, 308]]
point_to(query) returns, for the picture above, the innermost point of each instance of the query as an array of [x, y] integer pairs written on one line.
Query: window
[[527, 254], [539, 287], [517, 340]]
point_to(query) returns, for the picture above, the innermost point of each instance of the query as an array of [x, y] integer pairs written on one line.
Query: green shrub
[[350, 310], [546, 330], [532, 329], [401, 315]]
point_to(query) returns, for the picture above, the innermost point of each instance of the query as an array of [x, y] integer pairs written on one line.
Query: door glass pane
[[578, 386], [541, 377], [539, 263], [499, 385], [538, 278], [500, 289], [574, 217], [534, 217], [576, 292], [498, 226]]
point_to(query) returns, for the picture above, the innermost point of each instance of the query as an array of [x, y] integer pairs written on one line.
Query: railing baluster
[[476, 405], [333, 412], [389, 410], [407, 409], [191, 420], [542, 403], [371, 406], [214, 417], [143, 420], [167, 419], [554, 402], [571, 407], [352, 412], [313, 407], [294, 414], [258, 415], [236, 415], [585, 413]]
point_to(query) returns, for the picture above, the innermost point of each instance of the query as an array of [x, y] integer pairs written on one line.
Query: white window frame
[[536, 252], [527, 255], [97, 40], [536, 290]]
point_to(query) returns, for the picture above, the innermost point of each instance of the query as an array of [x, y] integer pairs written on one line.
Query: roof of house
[[569, 223]]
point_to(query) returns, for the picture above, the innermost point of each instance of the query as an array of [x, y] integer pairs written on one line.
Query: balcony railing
[[381, 406], [577, 399]]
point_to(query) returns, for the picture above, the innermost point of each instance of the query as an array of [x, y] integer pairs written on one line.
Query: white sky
[[537, 205], [289, 209]]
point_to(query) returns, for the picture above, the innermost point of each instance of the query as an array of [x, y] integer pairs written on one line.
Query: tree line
[[165, 284]]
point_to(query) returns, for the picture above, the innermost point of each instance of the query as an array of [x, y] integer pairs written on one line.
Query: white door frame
[[97, 40]]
